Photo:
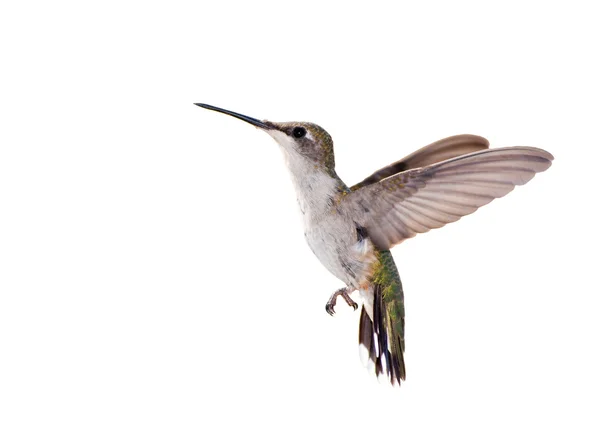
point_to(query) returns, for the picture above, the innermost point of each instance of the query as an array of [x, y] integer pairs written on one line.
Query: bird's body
[[351, 229], [330, 234], [344, 248]]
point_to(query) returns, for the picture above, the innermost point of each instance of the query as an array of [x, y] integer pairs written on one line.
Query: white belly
[[336, 245], [331, 235]]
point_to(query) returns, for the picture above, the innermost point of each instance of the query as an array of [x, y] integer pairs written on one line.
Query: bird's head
[[300, 141]]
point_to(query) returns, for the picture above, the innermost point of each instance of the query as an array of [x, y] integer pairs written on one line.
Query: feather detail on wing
[[430, 197], [433, 153]]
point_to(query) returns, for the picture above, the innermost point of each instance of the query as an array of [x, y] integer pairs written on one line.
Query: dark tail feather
[[381, 340]]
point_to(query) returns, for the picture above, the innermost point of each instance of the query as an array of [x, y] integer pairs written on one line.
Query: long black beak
[[253, 121]]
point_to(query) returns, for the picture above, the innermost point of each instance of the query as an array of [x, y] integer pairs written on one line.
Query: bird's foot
[[329, 307]]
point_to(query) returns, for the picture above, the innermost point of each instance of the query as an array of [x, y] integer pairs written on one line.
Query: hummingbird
[[352, 229]]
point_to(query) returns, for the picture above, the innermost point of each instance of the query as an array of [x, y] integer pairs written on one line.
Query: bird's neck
[[317, 188]]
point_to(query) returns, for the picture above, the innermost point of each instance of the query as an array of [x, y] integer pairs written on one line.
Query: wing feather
[[441, 150], [418, 200]]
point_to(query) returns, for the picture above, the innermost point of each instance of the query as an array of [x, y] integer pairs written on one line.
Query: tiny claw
[[349, 300], [329, 308], [332, 300]]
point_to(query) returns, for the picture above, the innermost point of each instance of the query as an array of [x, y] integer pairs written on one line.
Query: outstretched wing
[[433, 153], [430, 197]]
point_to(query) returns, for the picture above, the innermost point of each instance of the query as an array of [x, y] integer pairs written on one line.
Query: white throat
[[315, 188]]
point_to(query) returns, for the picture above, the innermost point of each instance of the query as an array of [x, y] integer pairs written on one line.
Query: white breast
[[331, 235]]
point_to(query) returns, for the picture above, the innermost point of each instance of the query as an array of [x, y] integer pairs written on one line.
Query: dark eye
[[298, 132]]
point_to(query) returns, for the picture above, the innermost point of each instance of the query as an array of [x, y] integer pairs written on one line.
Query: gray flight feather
[[430, 197], [441, 150]]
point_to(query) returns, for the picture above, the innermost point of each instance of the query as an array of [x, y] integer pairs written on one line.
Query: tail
[[381, 329]]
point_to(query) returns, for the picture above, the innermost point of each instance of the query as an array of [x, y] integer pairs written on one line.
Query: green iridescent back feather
[[386, 275], [381, 332]]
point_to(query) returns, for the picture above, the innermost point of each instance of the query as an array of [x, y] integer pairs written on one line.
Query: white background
[[154, 281]]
